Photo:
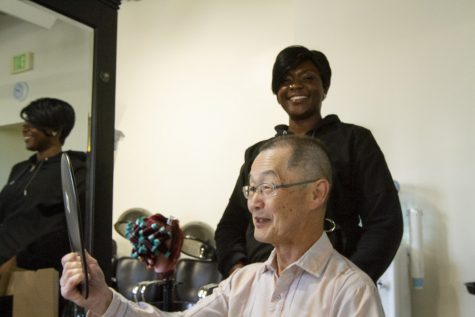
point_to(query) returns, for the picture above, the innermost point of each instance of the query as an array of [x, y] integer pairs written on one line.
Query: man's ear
[[320, 193]]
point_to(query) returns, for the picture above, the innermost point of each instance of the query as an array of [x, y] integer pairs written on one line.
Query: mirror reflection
[[59, 54], [47, 68]]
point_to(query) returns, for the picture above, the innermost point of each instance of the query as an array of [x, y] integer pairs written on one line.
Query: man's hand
[[100, 296]]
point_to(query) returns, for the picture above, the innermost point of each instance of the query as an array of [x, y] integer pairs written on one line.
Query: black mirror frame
[[101, 16]]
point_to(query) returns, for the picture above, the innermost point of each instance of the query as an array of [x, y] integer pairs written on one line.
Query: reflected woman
[[33, 232]]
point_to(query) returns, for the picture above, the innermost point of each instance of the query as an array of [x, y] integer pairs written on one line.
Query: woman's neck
[[49, 152], [301, 127]]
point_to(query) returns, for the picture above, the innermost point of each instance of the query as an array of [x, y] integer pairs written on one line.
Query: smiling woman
[[33, 231], [48, 122], [32, 219]]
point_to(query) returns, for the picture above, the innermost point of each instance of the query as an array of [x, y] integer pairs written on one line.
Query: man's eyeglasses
[[268, 189]]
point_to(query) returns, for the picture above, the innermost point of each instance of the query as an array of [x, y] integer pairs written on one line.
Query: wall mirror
[[72, 47]]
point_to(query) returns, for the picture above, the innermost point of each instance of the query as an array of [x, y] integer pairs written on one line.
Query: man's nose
[[255, 202]]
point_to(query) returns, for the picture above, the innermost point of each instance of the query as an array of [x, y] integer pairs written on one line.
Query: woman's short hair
[[50, 114], [292, 56]]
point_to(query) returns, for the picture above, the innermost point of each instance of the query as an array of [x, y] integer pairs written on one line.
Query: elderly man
[[304, 276]]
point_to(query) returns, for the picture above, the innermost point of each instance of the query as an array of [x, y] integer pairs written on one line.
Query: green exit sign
[[22, 62]]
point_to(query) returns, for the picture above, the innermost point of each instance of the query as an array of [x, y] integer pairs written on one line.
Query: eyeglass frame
[[246, 189]]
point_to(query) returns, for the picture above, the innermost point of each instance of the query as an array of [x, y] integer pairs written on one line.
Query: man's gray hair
[[309, 155]]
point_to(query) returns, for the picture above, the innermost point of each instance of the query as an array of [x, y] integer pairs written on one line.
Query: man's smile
[[260, 222]]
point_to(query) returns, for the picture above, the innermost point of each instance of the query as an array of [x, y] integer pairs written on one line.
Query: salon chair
[[182, 290], [129, 274], [193, 274], [196, 274]]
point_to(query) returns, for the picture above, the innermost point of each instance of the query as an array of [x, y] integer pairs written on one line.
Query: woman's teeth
[[297, 98]]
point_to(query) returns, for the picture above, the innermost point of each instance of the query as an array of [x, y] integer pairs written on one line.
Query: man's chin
[[261, 238]]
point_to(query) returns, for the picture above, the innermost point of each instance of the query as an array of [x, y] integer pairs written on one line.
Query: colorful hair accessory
[[153, 241]]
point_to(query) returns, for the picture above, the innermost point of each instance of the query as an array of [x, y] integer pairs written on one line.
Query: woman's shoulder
[[78, 158], [349, 133], [21, 165], [334, 120]]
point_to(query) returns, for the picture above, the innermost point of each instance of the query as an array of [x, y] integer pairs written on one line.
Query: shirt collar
[[313, 261]]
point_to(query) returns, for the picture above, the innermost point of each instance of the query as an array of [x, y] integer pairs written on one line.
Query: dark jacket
[[363, 202], [32, 220]]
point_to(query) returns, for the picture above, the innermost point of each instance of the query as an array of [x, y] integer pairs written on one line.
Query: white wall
[[193, 92]]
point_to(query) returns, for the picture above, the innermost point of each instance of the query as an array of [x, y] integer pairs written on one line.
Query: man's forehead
[[263, 174], [270, 162]]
